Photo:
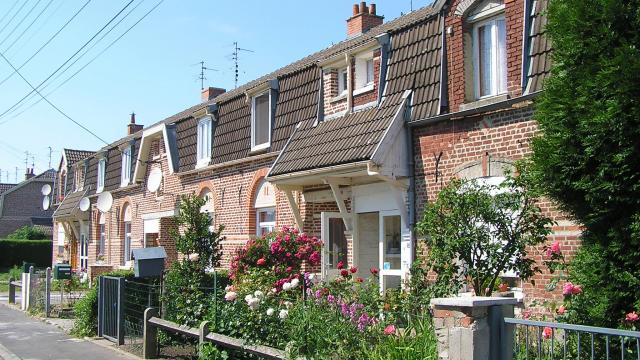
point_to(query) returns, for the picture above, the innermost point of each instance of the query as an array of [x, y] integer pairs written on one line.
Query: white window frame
[[369, 71], [343, 81], [271, 225], [102, 166], [76, 179], [497, 73], [125, 173], [203, 144], [102, 241], [126, 248], [254, 146]]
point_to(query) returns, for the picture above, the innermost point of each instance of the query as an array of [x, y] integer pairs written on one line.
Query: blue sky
[[152, 70]]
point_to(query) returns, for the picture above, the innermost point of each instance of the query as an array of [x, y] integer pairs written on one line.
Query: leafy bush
[[29, 233], [475, 232], [86, 309], [15, 251]]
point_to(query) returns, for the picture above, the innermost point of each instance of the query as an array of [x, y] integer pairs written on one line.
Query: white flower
[[228, 288], [194, 257], [288, 304], [283, 314], [248, 298], [230, 296], [274, 290], [270, 311], [294, 283], [286, 286], [312, 276], [253, 303], [259, 294]]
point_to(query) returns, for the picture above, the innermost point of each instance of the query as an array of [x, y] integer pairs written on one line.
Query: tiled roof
[[69, 204], [540, 47], [5, 187], [48, 174], [414, 63], [73, 156]]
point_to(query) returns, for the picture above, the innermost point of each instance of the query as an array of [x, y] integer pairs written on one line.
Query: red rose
[[261, 261], [353, 269], [340, 265], [344, 273], [374, 271], [289, 269]]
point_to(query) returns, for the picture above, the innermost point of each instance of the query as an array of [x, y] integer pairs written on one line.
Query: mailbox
[[149, 262], [26, 266], [62, 271]]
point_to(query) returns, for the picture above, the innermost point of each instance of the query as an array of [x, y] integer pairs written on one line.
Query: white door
[[335, 244], [390, 250], [84, 251]]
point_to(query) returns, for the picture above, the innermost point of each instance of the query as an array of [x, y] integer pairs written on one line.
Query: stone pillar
[[472, 328]]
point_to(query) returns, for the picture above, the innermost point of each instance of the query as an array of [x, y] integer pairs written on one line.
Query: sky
[[152, 70]]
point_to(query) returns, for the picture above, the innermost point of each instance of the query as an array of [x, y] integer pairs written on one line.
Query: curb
[[8, 355]]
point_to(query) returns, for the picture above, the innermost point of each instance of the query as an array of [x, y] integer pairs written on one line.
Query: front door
[[84, 251], [390, 249], [334, 250]]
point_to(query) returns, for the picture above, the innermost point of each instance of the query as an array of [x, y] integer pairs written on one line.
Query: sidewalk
[[23, 337]]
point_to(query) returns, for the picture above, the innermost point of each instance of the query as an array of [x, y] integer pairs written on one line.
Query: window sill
[[339, 97], [484, 101], [203, 163], [259, 148], [364, 89]]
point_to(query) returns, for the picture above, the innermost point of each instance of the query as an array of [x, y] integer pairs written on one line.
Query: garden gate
[[110, 308]]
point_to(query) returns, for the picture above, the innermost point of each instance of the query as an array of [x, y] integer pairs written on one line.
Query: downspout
[[412, 179], [320, 113], [526, 43]]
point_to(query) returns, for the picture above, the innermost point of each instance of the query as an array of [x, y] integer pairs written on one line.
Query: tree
[[588, 153], [477, 231], [28, 233]]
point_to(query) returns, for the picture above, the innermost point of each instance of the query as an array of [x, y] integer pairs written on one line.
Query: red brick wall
[[504, 135]]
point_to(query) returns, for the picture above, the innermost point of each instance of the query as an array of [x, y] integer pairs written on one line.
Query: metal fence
[[550, 340], [138, 296]]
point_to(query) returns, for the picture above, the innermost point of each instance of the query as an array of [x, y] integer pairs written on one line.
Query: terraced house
[[347, 143]]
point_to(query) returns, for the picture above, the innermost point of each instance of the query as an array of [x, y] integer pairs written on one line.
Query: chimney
[[28, 174], [133, 127], [363, 19], [210, 93]]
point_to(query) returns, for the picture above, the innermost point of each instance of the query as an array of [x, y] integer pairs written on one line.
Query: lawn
[[5, 274]]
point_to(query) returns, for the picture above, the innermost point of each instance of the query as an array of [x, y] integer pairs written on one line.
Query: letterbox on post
[[62, 271], [149, 262]]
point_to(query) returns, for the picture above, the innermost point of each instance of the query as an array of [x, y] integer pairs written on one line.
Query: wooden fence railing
[[150, 338]]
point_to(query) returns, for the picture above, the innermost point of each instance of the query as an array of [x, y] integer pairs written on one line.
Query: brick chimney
[[363, 19], [209, 93], [132, 127], [28, 174]]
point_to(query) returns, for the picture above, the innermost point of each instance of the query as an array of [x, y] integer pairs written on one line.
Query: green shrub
[[15, 251], [86, 309], [28, 233]]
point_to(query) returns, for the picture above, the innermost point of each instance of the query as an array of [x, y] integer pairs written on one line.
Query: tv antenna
[[235, 58], [50, 151], [202, 76]]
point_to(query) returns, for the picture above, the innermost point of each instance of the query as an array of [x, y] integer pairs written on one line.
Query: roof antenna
[[201, 76], [235, 59], [411, 2]]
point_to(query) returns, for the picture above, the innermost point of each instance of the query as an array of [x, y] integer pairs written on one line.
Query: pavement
[[25, 337]]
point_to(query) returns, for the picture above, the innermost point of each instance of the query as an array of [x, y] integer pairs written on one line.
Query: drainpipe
[[412, 179]]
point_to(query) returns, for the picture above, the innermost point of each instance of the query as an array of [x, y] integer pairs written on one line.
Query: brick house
[[22, 204], [346, 144]]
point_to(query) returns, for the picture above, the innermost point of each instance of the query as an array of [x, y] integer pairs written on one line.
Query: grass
[[5, 274]]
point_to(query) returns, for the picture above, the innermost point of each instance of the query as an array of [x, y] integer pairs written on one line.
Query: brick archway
[[258, 176]]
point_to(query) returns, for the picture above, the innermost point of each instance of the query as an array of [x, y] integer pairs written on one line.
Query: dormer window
[[364, 73], [204, 142], [102, 166], [488, 35], [342, 82], [126, 167], [78, 179], [260, 121]]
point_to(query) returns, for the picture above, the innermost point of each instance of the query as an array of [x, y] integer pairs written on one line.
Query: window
[[102, 235], [490, 58], [204, 141], [260, 122], [364, 72], [369, 71], [127, 234], [208, 207], [126, 167], [102, 164], [78, 179], [342, 81], [265, 206]]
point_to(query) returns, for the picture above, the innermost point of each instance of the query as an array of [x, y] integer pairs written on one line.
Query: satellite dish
[[84, 204], [46, 189], [155, 180], [105, 200], [45, 203]]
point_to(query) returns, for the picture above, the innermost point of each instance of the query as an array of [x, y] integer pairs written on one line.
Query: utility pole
[[235, 58]]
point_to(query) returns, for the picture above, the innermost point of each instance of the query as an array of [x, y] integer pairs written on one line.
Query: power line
[[13, 17], [9, 11], [63, 64], [28, 26], [46, 42], [41, 25], [20, 22], [89, 62]]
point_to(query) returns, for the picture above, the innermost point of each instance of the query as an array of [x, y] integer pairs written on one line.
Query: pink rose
[[526, 314], [547, 332], [344, 273], [374, 271], [261, 261], [340, 265], [561, 310], [632, 317], [353, 270], [390, 329], [577, 289], [553, 249]]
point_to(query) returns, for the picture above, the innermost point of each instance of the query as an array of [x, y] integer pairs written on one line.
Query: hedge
[[14, 252]]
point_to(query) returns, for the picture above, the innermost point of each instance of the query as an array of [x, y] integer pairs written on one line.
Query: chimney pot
[[356, 9], [372, 9], [132, 127], [364, 18], [133, 117], [363, 7]]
